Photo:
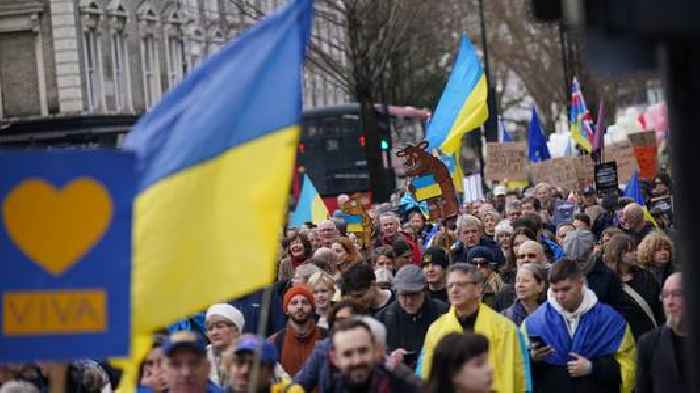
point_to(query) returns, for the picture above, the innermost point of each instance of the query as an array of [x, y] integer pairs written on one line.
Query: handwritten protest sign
[[644, 145], [623, 154], [506, 161], [560, 171]]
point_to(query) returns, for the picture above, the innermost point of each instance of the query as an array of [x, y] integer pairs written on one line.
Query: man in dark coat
[[661, 360], [408, 318], [470, 231]]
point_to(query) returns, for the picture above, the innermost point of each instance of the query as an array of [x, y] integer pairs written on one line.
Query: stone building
[[82, 71]]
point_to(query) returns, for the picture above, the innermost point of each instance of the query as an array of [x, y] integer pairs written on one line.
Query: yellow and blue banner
[[65, 242], [310, 207], [462, 107], [216, 157]]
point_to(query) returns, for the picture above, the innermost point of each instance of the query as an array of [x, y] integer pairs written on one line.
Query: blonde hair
[[652, 243], [321, 278]]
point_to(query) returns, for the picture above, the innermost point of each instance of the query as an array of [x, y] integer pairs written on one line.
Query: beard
[[358, 378], [300, 318], [677, 324]]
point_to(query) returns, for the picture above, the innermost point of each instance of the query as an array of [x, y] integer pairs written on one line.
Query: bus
[[332, 147]]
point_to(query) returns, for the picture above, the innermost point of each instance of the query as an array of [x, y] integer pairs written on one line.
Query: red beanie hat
[[294, 291]]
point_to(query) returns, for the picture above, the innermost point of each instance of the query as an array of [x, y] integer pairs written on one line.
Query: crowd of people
[[529, 291]]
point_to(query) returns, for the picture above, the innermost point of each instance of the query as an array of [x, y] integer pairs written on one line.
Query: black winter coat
[[408, 331], [657, 368], [606, 377], [605, 284]]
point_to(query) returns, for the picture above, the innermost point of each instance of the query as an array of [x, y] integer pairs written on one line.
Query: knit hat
[[294, 291], [229, 312], [480, 252], [578, 244], [436, 256]]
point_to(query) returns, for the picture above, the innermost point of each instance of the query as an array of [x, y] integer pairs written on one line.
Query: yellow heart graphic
[[55, 228]]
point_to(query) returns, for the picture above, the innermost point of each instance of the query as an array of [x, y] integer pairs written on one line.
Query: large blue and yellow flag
[[216, 156], [462, 106]]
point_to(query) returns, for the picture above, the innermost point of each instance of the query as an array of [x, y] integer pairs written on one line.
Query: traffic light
[[363, 140], [384, 144]]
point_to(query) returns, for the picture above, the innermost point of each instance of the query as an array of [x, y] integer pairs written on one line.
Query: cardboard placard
[[557, 171], [623, 154], [506, 160]]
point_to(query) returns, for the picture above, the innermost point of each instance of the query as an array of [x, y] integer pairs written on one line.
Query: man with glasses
[[661, 358], [531, 252], [468, 314], [470, 232], [407, 319]]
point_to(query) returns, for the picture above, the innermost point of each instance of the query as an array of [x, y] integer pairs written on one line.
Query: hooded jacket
[[594, 331], [507, 352]]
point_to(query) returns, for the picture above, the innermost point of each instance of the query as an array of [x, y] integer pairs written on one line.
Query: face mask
[[383, 274]]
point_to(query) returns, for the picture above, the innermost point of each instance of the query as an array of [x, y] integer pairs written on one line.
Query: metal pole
[[491, 125], [262, 328]]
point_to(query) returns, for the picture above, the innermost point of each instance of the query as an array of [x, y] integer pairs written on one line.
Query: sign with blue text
[[65, 242]]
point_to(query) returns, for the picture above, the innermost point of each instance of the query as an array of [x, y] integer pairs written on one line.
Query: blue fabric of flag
[[537, 144]]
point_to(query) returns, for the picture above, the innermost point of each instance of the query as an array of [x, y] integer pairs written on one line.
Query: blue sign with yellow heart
[[65, 244]]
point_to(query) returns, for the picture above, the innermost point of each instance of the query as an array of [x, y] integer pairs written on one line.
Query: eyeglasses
[[529, 256], [675, 294], [461, 284]]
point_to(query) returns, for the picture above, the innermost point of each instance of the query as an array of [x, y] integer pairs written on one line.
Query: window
[[176, 64], [91, 20], [92, 68], [120, 60], [211, 8], [150, 71]]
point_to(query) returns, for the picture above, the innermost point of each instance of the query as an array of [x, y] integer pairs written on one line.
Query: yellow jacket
[[508, 355]]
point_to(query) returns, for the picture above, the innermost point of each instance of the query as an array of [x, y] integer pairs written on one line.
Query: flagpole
[[262, 328]]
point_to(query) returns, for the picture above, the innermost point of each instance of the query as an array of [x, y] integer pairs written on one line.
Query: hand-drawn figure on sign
[[419, 162]]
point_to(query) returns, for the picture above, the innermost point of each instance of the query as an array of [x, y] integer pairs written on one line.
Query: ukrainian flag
[[310, 207], [462, 107], [216, 156]]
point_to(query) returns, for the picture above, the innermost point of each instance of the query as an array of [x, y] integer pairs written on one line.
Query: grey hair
[[378, 330], [18, 387], [391, 215], [467, 220], [466, 268]]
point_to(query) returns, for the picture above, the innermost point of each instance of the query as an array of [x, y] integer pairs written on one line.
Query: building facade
[[93, 66]]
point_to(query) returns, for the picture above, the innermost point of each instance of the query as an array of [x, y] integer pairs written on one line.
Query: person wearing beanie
[[492, 284], [296, 341], [224, 325], [408, 318], [434, 264], [578, 245]]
